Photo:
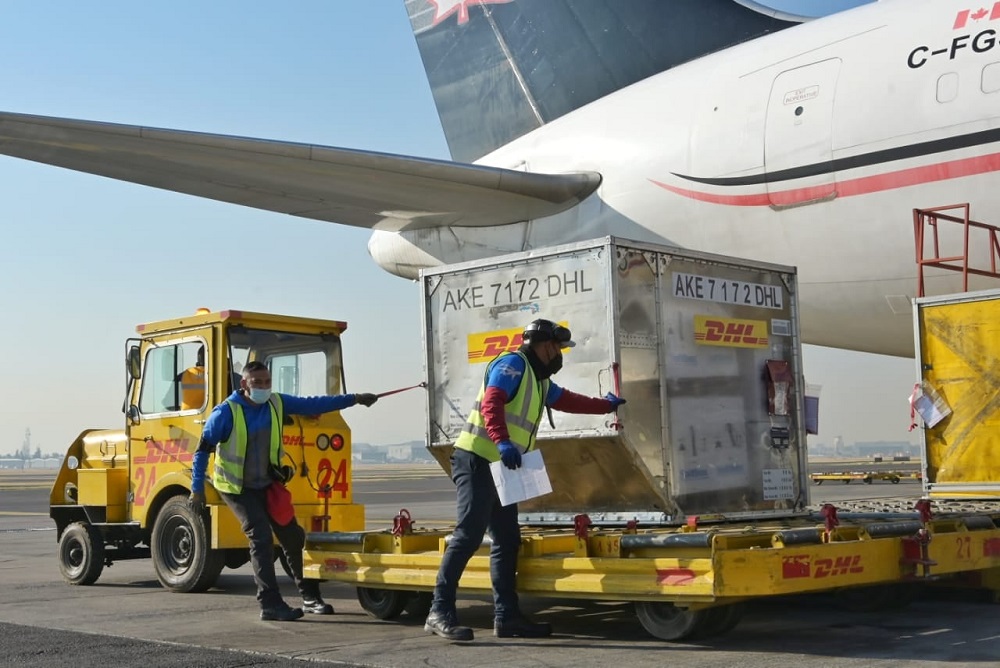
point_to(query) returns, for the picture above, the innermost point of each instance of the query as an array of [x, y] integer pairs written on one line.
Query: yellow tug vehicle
[[122, 493]]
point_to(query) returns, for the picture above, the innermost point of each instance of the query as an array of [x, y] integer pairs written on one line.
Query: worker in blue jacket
[[501, 426], [244, 431]]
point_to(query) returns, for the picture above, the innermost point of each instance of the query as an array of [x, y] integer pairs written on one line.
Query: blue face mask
[[259, 395]]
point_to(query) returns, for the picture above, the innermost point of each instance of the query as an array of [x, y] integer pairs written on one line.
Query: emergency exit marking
[[711, 289]]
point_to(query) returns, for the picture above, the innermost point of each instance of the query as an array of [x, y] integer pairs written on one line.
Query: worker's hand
[[197, 502], [282, 473], [509, 455], [365, 398], [614, 400]]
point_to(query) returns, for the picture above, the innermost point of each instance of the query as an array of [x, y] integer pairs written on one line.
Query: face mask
[[555, 364], [259, 395]]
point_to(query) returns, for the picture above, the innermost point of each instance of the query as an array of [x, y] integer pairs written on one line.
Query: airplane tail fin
[[501, 68]]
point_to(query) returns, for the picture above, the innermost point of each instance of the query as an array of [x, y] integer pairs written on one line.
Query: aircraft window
[[991, 78], [947, 87]]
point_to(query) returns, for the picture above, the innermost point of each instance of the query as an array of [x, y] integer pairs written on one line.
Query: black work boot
[[446, 626], [520, 627], [316, 606], [280, 613]]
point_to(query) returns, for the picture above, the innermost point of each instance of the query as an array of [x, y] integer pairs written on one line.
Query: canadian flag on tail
[[964, 16]]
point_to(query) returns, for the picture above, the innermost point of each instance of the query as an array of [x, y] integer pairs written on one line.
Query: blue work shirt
[[506, 371], [219, 426]]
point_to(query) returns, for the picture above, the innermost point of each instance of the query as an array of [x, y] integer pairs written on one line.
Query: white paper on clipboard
[[527, 482]]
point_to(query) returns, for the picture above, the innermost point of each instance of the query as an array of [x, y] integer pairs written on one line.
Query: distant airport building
[[33, 463], [887, 449]]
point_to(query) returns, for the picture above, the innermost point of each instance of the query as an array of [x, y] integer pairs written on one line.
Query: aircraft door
[[798, 143]]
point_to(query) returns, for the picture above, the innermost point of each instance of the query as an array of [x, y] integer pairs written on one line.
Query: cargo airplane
[[716, 125]]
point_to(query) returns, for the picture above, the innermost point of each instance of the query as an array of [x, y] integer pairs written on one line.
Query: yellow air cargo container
[[958, 345]]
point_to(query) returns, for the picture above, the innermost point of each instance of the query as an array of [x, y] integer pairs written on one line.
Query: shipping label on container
[[730, 332], [779, 484], [727, 291]]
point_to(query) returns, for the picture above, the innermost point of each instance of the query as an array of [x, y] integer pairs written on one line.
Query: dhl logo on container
[[484, 346], [730, 332]]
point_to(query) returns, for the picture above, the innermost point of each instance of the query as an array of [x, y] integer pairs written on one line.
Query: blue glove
[[509, 454], [615, 401]]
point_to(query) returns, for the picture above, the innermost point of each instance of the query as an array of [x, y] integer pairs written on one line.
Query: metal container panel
[[689, 334]]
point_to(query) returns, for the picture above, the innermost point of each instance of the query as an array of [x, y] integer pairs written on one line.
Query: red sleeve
[[495, 414], [571, 402]]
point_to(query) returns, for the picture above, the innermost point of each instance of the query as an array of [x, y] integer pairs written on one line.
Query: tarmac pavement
[[127, 619]]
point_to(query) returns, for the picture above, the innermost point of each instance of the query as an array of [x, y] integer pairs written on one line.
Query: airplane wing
[[358, 188]]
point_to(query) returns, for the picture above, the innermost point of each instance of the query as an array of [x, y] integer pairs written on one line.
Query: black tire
[[182, 558], [894, 480], [419, 605], [236, 557], [667, 621], [81, 554], [383, 603], [721, 620]]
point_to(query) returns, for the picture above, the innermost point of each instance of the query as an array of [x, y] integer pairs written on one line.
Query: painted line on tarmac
[[400, 491], [22, 514], [27, 530]]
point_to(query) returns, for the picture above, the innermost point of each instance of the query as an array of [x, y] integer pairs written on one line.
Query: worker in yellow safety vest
[[516, 389], [244, 431]]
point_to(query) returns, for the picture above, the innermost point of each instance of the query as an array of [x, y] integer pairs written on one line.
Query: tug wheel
[[81, 554], [182, 556]]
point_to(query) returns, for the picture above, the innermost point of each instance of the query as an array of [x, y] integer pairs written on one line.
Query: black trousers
[[479, 509], [250, 508]]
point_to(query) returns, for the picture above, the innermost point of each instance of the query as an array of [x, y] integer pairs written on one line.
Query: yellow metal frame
[[734, 564]]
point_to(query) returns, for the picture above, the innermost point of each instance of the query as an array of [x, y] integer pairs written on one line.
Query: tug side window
[[174, 379]]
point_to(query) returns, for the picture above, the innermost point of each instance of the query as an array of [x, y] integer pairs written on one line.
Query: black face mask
[[555, 364]]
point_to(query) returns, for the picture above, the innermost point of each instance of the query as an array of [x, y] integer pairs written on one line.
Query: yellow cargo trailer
[[696, 497]]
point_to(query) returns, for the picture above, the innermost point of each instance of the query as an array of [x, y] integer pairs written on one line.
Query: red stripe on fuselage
[[941, 171]]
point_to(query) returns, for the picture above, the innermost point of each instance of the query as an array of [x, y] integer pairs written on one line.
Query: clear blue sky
[[84, 259]]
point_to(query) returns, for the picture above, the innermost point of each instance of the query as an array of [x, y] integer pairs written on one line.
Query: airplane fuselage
[[809, 147]]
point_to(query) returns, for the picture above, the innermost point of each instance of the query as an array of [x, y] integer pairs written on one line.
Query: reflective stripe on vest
[[522, 412], [231, 454]]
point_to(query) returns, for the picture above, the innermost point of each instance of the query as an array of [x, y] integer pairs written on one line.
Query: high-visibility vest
[[523, 412], [231, 454], [193, 388]]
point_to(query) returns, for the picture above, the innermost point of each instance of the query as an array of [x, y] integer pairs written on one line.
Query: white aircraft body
[[808, 144]]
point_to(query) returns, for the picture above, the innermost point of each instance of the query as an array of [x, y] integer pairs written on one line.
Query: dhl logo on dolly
[[713, 331]]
